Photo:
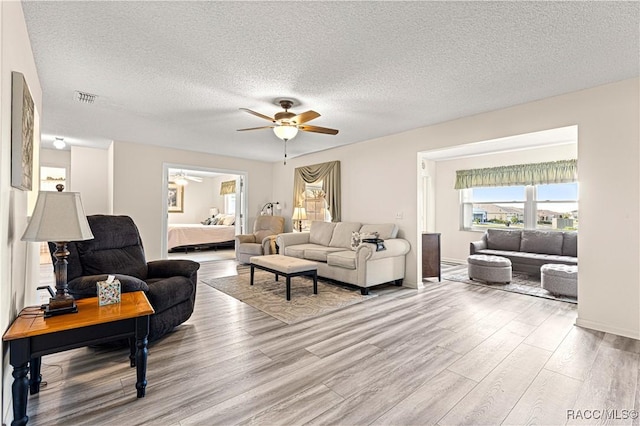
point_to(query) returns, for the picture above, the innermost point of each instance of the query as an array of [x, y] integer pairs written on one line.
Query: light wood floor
[[449, 354]]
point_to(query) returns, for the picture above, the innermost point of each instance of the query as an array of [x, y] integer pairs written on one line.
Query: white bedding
[[194, 234]]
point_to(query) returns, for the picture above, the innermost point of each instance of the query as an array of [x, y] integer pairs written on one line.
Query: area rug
[[520, 283], [269, 296]]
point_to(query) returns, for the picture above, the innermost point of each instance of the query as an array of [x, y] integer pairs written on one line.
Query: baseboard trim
[[457, 261], [594, 325]]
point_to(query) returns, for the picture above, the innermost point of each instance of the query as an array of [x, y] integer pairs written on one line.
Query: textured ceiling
[[175, 73]]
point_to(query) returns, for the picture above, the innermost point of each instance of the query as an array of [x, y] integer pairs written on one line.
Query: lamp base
[[56, 308]]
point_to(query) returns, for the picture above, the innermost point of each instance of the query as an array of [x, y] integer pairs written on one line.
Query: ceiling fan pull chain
[[285, 152]]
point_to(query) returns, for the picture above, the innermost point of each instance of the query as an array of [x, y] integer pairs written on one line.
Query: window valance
[[228, 187], [329, 174], [564, 171]]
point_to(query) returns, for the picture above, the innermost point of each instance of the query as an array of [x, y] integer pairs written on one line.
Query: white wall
[[198, 199], [455, 243], [18, 260], [380, 178], [90, 177], [138, 185]]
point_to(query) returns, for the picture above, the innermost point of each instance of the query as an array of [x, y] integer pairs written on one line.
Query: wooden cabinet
[[431, 256]]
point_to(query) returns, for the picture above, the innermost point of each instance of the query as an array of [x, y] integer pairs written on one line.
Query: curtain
[[564, 171], [228, 187], [329, 174]]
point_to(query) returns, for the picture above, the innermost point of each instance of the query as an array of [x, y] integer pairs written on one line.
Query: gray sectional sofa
[[330, 244], [528, 249]]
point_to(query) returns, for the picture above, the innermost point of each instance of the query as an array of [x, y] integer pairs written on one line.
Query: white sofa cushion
[[342, 234], [319, 254], [299, 249], [344, 259], [321, 232], [385, 230]]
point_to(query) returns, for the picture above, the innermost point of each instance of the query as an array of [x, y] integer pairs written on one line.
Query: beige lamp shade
[[299, 213], [58, 217]]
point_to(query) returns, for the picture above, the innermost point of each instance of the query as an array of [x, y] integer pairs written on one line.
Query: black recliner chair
[[117, 250]]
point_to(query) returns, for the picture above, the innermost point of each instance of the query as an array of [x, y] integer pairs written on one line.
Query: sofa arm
[[291, 239], [171, 268], [474, 246], [394, 247]]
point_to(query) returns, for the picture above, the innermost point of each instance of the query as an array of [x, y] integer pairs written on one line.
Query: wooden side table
[[31, 336]]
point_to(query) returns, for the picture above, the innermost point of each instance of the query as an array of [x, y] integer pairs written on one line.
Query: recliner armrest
[[85, 286], [245, 238], [171, 268]]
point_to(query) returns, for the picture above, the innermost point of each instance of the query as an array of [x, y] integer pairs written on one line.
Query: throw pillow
[[214, 221], [228, 220], [207, 221], [357, 237]]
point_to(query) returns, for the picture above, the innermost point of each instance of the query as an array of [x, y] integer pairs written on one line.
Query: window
[[315, 204], [551, 206], [230, 203]]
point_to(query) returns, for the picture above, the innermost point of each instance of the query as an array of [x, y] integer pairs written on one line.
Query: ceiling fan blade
[[194, 178], [317, 129], [256, 128], [257, 114], [305, 116]]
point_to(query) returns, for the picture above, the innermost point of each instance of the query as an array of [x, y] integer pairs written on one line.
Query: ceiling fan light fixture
[[285, 132], [59, 143], [181, 181]]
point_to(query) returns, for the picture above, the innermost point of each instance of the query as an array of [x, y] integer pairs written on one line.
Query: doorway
[[204, 208]]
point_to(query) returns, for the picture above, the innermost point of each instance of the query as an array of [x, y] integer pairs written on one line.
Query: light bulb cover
[[59, 143], [181, 181], [285, 131]]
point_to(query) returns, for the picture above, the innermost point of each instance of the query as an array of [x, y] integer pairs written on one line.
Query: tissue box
[[108, 292]]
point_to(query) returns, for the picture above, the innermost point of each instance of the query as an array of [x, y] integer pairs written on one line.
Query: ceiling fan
[[286, 124], [182, 178]]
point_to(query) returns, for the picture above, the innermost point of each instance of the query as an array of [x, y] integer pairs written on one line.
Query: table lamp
[[299, 214], [59, 217]]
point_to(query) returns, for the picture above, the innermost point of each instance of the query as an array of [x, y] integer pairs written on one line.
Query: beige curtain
[[329, 174], [564, 171], [228, 187]]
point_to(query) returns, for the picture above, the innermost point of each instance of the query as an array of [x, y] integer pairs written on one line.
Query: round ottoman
[[495, 269], [560, 279]]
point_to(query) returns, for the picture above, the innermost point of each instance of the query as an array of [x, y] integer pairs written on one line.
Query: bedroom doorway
[[204, 208]]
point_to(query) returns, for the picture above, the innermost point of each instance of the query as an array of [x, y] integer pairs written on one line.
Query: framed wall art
[[176, 198], [22, 128]]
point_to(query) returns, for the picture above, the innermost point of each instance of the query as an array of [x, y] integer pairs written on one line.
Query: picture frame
[[175, 198], [22, 133]]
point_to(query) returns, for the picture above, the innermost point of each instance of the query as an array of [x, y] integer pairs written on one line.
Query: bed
[[183, 237]]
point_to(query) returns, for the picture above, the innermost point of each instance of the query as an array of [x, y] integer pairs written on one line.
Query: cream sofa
[[329, 244]]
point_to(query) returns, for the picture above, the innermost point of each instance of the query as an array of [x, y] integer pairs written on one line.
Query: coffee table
[[287, 267]]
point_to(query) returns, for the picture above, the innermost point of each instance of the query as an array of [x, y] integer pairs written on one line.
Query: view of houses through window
[[552, 207]]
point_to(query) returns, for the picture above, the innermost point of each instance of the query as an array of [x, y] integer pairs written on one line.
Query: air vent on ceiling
[[84, 97]]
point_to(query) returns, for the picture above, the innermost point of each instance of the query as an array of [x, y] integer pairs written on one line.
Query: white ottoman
[[560, 279], [495, 269]]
